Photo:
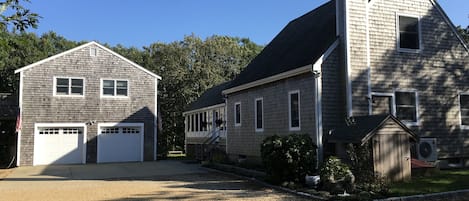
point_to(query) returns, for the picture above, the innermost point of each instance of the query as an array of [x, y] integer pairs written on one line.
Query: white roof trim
[[80, 47], [273, 78]]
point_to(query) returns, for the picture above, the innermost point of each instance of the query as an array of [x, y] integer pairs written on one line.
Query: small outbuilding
[[390, 143]]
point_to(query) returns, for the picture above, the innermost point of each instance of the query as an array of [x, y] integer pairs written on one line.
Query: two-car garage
[[65, 143]]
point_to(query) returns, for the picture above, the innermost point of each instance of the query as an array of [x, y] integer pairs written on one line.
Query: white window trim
[[393, 100], [398, 35], [61, 125], [255, 114], [289, 111], [115, 88], [240, 114], [69, 87], [463, 127], [409, 123]]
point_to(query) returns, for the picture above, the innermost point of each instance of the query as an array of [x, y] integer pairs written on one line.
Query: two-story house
[[350, 58], [86, 105]]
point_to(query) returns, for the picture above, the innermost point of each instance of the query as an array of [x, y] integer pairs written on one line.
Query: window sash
[[294, 104], [406, 106], [464, 109], [409, 33], [238, 114], [259, 114]]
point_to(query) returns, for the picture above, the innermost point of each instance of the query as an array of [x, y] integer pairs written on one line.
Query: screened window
[[237, 113], [406, 106], [464, 103], [409, 36], [69, 86], [294, 110], [115, 88], [259, 114]]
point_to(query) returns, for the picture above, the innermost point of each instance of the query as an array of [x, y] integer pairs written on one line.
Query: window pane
[[77, 82], [62, 82], [259, 114], [77, 90], [108, 83], [408, 32], [238, 113], [465, 101], [122, 92], [405, 98], [406, 113], [122, 84], [294, 109], [108, 91], [62, 90], [465, 120]]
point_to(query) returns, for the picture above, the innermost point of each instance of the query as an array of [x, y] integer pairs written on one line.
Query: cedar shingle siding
[[438, 73], [40, 106]]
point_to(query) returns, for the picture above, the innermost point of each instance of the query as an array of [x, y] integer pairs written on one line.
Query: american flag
[[18, 121]]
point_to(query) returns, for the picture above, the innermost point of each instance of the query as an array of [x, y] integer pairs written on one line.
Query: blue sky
[[142, 22]]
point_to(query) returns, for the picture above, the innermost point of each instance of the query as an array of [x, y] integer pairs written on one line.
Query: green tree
[[14, 14], [464, 33]]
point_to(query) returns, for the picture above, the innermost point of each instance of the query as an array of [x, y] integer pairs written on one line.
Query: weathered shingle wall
[[40, 106], [243, 140], [438, 73]]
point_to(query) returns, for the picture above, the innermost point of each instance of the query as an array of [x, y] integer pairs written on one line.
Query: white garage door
[[120, 142], [54, 144]]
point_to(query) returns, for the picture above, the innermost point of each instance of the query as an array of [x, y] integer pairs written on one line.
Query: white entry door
[[59, 144], [120, 142]]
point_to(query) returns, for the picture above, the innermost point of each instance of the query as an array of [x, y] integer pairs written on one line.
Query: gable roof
[[210, 97], [299, 44], [83, 46], [363, 128]]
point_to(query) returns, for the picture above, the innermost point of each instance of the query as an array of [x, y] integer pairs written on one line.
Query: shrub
[[288, 158], [336, 176]]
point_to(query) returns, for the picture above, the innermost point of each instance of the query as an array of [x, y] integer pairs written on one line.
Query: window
[[93, 52], [259, 114], [192, 123], [237, 114], [294, 110], [197, 122], [406, 106], [464, 104], [117, 88], [69, 86], [409, 33]]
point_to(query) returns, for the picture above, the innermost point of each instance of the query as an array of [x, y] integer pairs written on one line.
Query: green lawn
[[445, 180]]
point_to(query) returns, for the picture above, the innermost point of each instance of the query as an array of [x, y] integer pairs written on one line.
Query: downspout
[[318, 111]]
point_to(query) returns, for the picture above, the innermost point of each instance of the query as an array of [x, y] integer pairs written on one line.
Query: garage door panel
[[120, 143], [58, 145]]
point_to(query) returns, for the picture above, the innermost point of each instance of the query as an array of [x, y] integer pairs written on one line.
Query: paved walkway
[[162, 180]]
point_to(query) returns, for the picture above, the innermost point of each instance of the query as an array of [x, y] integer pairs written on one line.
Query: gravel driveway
[[186, 182]]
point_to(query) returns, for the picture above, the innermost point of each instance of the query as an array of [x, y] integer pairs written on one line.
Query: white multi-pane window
[[464, 109], [408, 33], [66, 86], [259, 114], [294, 110], [406, 106], [115, 88], [237, 113]]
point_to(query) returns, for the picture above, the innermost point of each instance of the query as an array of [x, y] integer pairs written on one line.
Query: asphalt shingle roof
[[300, 43]]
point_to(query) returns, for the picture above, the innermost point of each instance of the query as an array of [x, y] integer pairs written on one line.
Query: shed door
[[58, 145], [120, 143], [391, 155]]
